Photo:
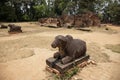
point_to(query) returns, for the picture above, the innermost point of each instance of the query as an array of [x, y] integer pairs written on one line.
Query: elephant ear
[[62, 38], [69, 37]]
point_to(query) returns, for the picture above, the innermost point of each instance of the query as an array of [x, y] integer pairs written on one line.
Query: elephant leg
[[62, 56], [57, 55], [66, 60]]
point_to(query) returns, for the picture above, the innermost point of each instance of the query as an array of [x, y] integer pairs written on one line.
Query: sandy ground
[[22, 56]]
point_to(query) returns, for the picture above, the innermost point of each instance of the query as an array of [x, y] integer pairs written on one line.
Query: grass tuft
[[68, 75]]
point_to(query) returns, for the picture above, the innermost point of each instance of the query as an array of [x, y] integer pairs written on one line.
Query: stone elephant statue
[[69, 48]]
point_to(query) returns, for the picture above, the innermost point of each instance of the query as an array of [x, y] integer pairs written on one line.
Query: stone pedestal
[[56, 64]]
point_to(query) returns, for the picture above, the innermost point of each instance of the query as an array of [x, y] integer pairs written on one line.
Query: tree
[[40, 11], [27, 10], [7, 12], [112, 12]]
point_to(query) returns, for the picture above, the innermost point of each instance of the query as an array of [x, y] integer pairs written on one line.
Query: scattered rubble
[[68, 21]]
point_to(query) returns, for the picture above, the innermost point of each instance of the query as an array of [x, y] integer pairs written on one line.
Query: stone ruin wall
[[80, 20]]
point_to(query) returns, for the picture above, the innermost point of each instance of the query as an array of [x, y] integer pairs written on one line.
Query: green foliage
[[25, 17], [86, 5], [69, 74], [112, 12], [7, 13], [17, 10], [58, 6], [40, 11]]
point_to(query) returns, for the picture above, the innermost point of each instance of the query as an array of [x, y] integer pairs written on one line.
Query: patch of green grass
[[68, 75], [114, 48]]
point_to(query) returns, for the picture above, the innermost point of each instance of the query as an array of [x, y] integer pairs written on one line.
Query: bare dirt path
[[38, 40]]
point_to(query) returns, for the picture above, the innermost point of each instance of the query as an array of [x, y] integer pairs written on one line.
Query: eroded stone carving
[[71, 52], [13, 28], [69, 48]]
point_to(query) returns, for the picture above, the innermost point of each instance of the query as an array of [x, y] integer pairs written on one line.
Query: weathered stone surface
[[52, 62], [14, 29], [69, 48], [71, 52], [84, 29], [3, 26], [49, 22], [79, 20]]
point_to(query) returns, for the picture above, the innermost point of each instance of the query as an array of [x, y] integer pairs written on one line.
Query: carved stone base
[[14, 32], [56, 64]]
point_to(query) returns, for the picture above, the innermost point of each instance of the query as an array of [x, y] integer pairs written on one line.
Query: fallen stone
[[84, 29]]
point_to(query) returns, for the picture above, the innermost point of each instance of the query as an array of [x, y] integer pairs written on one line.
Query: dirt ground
[[23, 55]]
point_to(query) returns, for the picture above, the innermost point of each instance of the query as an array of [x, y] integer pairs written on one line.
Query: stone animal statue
[[3, 27], [69, 48], [14, 28]]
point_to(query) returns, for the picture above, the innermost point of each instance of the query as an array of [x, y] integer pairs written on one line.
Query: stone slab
[[84, 29], [52, 62]]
